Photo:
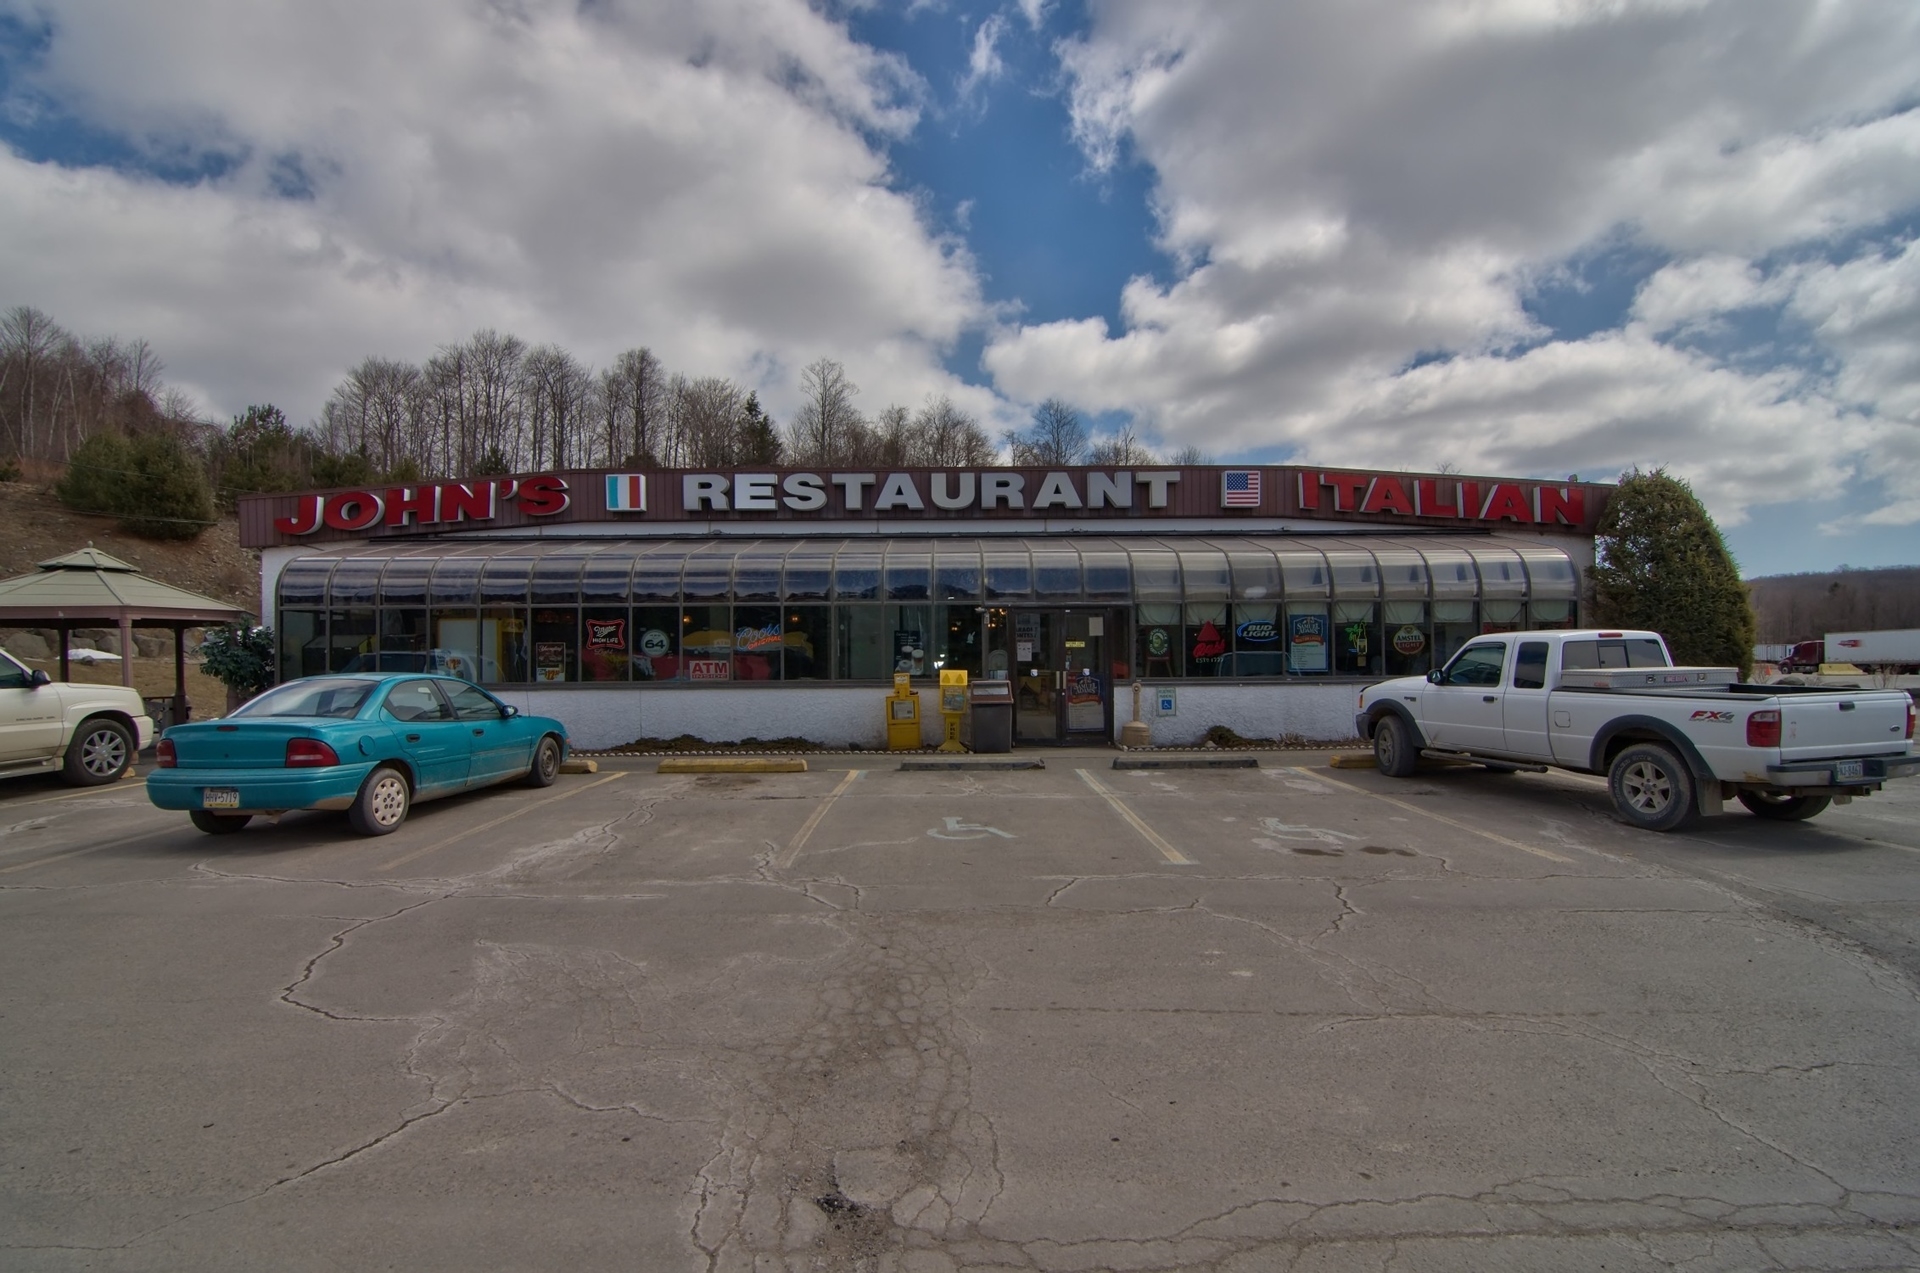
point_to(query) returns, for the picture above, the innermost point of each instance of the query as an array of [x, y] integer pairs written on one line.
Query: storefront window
[[1009, 573], [302, 635], [862, 637], [404, 632], [350, 633], [1157, 640], [656, 643], [556, 644], [956, 640], [807, 638], [456, 633], [503, 649], [1405, 645], [1208, 636], [908, 640], [956, 576], [856, 575], [1501, 616], [1356, 640], [758, 644], [706, 643], [1454, 624], [1258, 648], [1550, 614], [1308, 639], [606, 643]]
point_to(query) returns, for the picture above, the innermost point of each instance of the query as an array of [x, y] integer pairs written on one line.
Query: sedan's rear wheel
[[1783, 808], [546, 762], [1652, 787], [219, 823], [382, 803], [100, 752]]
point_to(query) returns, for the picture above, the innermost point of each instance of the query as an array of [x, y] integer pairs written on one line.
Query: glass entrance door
[[1057, 661]]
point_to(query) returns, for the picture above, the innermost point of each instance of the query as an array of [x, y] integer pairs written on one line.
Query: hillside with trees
[[1807, 606]]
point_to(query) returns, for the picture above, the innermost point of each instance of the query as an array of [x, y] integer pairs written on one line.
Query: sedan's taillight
[[1763, 728], [169, 757], [309, 753]]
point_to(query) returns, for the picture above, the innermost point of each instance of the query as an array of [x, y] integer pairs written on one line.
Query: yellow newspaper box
[[953, 705], [903, 715]]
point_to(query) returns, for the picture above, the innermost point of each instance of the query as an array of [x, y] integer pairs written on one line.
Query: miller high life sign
[[1207, 498]]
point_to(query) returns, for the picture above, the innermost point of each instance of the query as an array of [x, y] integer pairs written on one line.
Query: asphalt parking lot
[[863, 1019]]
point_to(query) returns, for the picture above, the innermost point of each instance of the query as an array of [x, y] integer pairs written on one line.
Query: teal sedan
[[368, 744]]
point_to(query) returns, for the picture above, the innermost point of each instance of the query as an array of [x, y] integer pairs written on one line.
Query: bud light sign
[[1258, 632]]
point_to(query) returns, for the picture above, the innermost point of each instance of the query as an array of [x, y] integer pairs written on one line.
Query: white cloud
[[1352, 189], [984, 64], [705, 179], [1035, 12]]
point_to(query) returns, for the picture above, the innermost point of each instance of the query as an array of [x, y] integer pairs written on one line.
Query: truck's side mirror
[[1437, 676], [37, 678]]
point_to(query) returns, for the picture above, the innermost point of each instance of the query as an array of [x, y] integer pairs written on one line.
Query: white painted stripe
[[1430, 815], [1147, 833]]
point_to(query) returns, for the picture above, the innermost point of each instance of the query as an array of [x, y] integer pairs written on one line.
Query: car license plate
[[1849, 771], [220, 797]]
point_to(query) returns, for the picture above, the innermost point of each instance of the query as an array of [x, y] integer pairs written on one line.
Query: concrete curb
[[732, 765]]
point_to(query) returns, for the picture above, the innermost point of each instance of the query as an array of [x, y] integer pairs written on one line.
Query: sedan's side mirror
[[508, 711], [1437, 677], [38, 678]]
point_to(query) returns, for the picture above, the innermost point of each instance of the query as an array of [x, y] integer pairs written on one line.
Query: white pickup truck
[[1673, 742], [91, 733]]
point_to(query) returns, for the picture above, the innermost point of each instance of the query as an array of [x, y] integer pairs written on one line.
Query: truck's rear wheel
[[1393, 748], [1765, 804], [1652, 788]]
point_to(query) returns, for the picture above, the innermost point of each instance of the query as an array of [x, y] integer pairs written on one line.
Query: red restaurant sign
[[903, 496]]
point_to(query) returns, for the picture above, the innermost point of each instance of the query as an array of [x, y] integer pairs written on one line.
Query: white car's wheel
[[1652, 787], [100, 752]]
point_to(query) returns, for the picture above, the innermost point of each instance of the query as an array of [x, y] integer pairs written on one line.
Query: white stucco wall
[[1316, 713], [847, 715]]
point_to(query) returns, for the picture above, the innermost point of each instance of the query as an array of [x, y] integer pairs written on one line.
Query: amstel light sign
[[1209, 495]]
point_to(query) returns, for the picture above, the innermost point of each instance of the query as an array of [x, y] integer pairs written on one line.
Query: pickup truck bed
[[1674, 742]]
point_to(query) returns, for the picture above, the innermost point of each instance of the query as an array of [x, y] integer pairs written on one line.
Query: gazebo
[[89, 589]]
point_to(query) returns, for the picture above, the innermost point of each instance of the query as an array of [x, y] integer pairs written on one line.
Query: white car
[[91, 733]]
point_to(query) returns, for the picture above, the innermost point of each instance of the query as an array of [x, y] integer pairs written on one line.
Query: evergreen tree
[[97, 474], [259, 452], [167, 495], [1663, 565], [759, 440]]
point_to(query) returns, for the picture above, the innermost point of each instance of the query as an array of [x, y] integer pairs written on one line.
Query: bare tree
[[707, 417], [632, 394], [1190, 454], [1056, 437], [948, 436], [895, 440], [558, 395], [1123, 447], [826, 421]]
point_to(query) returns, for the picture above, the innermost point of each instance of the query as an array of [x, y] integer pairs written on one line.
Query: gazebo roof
[[90, 584]]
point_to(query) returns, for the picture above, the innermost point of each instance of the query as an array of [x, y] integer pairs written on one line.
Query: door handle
[[478, 732], [1489, 698], [413, 738]]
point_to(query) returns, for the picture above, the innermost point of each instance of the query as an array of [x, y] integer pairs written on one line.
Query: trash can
[[992, 704]]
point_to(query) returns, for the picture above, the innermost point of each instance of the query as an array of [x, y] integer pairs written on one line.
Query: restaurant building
[[780, 603]]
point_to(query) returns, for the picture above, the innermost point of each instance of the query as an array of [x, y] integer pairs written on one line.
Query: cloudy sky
[[1529, 237]]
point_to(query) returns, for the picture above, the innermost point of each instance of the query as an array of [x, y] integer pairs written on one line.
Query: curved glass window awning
[[1055, 570]]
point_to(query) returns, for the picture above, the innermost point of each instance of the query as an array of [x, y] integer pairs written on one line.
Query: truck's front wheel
[[1652, 788], [1393, 748], [1784, 808]]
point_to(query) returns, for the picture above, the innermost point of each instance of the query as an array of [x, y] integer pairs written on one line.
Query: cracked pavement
[[951, 1023]]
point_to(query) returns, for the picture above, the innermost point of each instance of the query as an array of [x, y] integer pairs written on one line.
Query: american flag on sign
[[1240, 488]]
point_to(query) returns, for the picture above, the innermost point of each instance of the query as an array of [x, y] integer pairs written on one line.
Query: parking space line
[[405, 858], [1167, 851], [805, 833], [64, 854], [1429, 814], [125, 784]]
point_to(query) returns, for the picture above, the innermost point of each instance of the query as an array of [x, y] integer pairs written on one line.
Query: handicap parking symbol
[[959, 830]]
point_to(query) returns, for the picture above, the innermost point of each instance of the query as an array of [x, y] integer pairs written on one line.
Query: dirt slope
[[35, 526]]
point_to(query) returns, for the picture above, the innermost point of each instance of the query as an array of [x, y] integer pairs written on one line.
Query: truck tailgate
[[1842, 725]]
